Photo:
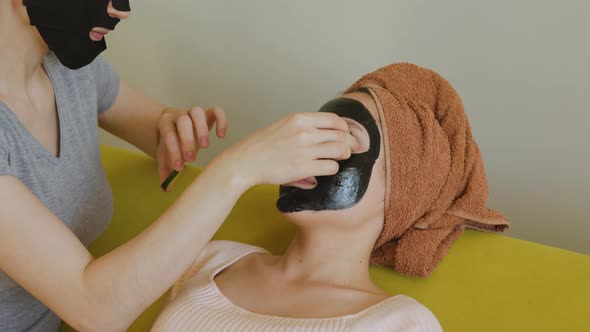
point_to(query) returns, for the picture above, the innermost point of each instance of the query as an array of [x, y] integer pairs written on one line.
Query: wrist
[[232, 175]]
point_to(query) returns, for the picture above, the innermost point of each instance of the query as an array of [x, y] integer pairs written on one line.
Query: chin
[[304, 217], [307, 218], [296, 214]]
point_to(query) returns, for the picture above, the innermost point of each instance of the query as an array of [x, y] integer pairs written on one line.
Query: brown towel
[[436, 182]]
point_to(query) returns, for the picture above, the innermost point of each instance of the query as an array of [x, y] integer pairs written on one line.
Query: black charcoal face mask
[[65, 27], [349, 185]]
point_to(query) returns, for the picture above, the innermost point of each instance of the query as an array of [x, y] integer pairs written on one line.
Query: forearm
[[137, 273], [134, 118]]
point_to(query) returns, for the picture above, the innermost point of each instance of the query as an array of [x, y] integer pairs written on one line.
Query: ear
[[359, 132]]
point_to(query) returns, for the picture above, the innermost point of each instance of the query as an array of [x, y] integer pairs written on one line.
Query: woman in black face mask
[[54, 195]]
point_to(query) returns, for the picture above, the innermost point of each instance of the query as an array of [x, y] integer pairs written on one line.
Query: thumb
[[164, 170]]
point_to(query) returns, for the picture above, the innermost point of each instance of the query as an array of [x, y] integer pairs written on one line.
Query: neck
[[22, 52], [330, 255]]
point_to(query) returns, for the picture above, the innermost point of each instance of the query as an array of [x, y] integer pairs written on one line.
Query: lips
[[307, 183], [96, 36]]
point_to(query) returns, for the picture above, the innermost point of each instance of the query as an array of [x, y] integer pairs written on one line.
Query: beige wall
[[522, 67]]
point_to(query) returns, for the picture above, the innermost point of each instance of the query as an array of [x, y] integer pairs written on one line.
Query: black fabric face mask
[[65, 26], [349, 185]]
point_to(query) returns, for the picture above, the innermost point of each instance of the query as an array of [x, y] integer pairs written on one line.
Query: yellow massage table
[[487, 282]]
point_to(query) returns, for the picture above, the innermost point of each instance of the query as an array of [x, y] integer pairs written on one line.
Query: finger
[[217, 116], [184, 127], [164, 169], [325, 167], [200, 122], [332, 150], [328, 135], [320, 120], [173, 148]]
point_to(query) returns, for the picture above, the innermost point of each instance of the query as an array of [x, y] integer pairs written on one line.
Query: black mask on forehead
[[65, 27], [349, 185]]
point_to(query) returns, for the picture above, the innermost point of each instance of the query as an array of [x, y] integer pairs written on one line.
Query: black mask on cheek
[[65, 27], [349, 185]]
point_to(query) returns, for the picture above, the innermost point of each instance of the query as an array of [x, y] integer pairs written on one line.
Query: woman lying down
[[415, 181]]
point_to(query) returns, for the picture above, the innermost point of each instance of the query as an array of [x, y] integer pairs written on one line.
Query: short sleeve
[[107, 83], [5, 168]]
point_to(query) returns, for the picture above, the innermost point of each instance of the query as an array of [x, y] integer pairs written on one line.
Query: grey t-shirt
[[73, 186]]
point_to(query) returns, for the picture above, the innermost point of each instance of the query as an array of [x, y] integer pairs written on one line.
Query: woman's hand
[[294, 148], [178, 133]]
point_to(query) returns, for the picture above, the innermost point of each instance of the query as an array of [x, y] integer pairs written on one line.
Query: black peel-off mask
[[347, 187], [65, 26]]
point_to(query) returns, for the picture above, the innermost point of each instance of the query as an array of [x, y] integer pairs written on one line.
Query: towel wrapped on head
[[436, 182]]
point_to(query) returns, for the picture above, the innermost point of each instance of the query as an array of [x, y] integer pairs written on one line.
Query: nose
[[114, 13]]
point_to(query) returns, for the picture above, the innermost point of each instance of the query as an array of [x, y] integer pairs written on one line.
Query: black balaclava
[[346, 188], [65, 26]]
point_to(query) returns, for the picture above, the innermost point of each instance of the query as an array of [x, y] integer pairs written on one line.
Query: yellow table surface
[[487, 282]]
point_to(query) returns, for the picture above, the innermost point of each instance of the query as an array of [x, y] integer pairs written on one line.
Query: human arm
[[170, 135], [109, 292]]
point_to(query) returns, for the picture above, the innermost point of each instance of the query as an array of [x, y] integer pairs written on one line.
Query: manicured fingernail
[[190, 155], [222, 132], [178, 164], [170, 188], [204, 141]]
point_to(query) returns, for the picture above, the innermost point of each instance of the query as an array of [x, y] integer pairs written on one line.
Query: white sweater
[[198, 305]]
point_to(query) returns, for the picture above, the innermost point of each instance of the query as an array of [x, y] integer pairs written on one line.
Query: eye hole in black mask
[[349, 185], [65, 26]]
